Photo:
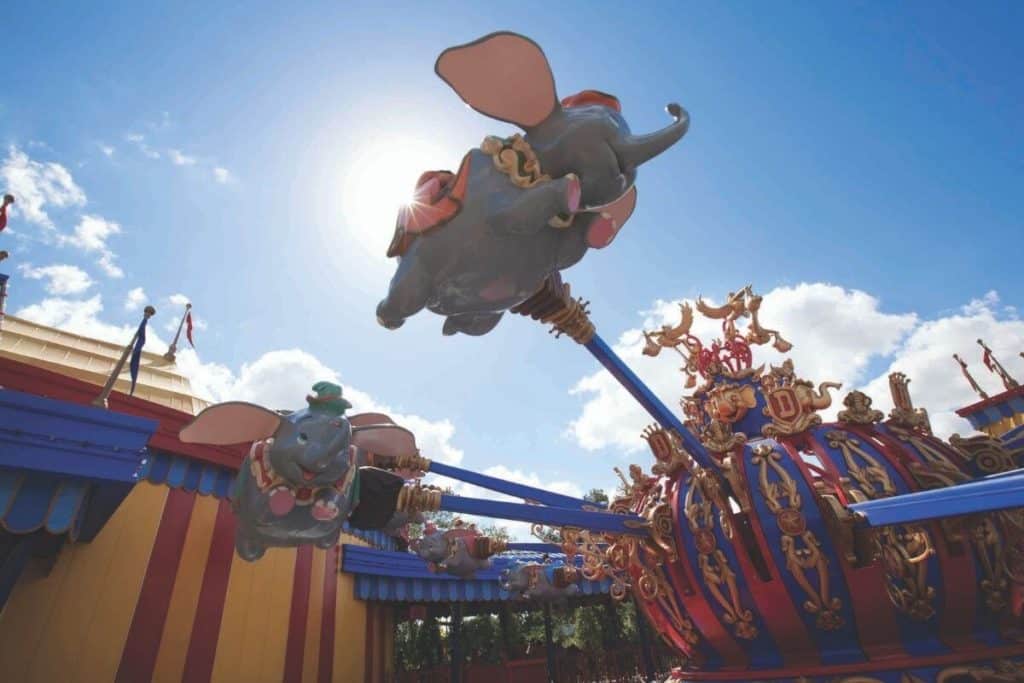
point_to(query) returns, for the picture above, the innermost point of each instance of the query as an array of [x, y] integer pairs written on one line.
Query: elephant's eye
[[303, 438]]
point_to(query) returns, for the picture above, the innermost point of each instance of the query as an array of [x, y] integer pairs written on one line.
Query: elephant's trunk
[[633, 150]]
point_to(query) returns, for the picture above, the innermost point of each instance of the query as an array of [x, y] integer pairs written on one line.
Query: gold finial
[[970, 379], [553, 304], [903, 413], [994, 366], [858, 409]]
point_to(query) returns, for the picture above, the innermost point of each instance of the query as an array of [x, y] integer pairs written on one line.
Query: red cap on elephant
[[591, 97]]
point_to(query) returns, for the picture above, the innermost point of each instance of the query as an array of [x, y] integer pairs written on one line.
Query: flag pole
[[173, 348], [101, 400]]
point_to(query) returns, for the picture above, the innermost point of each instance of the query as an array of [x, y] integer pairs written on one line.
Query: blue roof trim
[[30, 501], [377, 539], [404, 577], [62, 438], [180, 472]]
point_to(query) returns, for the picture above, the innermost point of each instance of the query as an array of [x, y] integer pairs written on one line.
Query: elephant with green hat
[[307, 471]]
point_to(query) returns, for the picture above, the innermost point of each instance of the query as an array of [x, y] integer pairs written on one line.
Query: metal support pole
[[503, 617], [101, 400], [550, 645], [173, 348], [645, 643], [455, 633]]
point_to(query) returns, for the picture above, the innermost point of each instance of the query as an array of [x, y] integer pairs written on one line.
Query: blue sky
[[875, 147]]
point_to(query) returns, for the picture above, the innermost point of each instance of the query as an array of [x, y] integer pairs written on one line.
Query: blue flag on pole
[[133, 366]]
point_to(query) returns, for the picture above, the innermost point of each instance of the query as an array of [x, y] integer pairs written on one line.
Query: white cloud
[[108, 150], [91, 235], [222, 175], [836, 334], [139, 141], [178, 158], [62, 279], [925, 356], [38, 186], [135, 299], [80, 317], [178, 299]]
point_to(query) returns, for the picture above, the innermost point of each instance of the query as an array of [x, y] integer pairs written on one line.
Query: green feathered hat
[[328, 399]]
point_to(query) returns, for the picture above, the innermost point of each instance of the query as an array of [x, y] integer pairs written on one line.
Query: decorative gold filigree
[[718, 437], [903, 413], [987, 453], [638, 488], [904, 548], [514, 157], [744, 304], [799, 544], [988, 548], [858, 410], [999, 671], [870, 475], [703, 499], [792, 403]]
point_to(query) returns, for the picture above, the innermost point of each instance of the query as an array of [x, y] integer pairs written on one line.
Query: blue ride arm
[[552, 516], [999, 492], [651, 403], [511, 488]]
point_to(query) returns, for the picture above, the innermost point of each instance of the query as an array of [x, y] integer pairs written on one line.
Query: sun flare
[[381, 178]]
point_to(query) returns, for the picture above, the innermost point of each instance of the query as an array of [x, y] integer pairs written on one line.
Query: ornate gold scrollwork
[[904, 548], [718, 437], [999, 671], [871, 476], [987, 453], [703, 497], [799, 544], [682, 624], [858, 410], [988, 548]]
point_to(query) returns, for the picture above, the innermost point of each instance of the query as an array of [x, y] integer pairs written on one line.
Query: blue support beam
[[511, 488], [553, 516], [999, 492], [651, 403]]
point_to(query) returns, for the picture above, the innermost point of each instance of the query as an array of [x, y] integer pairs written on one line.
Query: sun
[[381, 178]]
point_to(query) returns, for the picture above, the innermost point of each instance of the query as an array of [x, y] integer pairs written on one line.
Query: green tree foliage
[[596, 496]]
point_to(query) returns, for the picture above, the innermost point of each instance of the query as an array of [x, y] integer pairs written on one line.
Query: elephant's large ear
[[232, 422], [503, 75], [610, 220], [365, 419], [384, 439]]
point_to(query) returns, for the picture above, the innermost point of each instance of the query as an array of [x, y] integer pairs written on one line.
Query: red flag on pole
[[987, 359], [8, 199], [188, 329]]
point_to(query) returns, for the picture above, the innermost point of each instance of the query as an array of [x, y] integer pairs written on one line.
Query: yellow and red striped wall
[[161, 595]]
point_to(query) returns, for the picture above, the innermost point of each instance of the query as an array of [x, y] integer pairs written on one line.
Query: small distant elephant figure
[[307, 471], [398, 526], [548, 581], [460, 551], [477, 242]]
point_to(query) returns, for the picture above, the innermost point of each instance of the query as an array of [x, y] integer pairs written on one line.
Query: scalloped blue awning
[[65, 467], [404, 577], [191, 475]]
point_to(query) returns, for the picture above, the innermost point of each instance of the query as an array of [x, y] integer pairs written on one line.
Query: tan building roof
[[92, 360]]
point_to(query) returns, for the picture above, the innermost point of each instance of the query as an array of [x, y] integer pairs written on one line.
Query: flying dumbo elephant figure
[[547, 581], [476, 242], [307, 471], [460, 551]]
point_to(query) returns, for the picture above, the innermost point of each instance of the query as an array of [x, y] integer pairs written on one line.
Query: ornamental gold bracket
[[553, 304]]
